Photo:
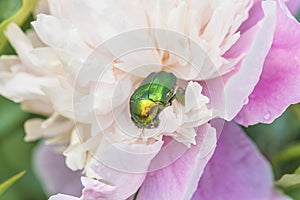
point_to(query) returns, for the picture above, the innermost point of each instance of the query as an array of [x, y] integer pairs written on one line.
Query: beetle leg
[[180, 95]]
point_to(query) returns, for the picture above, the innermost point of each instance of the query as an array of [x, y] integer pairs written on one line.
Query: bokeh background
[[279, 141]]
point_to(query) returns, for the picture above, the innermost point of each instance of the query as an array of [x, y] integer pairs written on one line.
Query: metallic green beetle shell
[[154, 94]]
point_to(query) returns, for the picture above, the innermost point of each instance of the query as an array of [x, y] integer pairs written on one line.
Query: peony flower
[[81, 70]]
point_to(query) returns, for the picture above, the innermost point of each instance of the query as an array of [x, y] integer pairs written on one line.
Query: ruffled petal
[[118, 169], [20, 77], [54, 126], [179, 179], [95, 189], [230, 94], [23, 86], [103, 23], [279, 84], [53, 32], [236, 171]]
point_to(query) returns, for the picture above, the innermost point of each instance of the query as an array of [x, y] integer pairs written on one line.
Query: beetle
[[156, 92]]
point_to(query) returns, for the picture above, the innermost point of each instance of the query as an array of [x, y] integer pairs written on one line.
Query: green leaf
[[291, 152], [12, 146], [18, 17], [279, 141], [273, 138], [6, 184], [297, 171], [289, 181], [8, 8], [295, 109]]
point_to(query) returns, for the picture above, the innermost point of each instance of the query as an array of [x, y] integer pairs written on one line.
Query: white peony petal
[[35, 40], [40, 106], [77, 152], [53, 32], [19, 41], [23, 86], [53, 126], [8, 61]]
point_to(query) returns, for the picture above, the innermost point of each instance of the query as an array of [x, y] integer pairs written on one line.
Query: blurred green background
[[279, 141], [15, 154]]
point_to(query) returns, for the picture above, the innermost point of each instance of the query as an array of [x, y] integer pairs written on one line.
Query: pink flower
[[80, 70]]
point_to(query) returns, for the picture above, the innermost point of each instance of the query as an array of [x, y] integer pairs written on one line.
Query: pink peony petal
[[255, 43], [236, 171], [293, 5], [279, 84], [95, 189], [119, 170], [179, 180], [56, 177], [255, 15]]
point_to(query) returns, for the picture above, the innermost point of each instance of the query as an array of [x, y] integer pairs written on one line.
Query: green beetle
[[156, 92]]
